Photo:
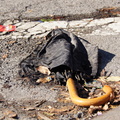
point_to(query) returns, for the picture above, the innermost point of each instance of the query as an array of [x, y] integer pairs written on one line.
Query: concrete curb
[[37, 29]]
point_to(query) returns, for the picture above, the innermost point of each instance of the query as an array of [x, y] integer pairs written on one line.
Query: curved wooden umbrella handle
[[87, 102]]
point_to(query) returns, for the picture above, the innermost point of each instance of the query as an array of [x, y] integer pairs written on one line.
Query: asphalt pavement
[[21, 9]]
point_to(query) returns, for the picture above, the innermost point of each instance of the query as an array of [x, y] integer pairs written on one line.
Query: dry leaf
[[11, 42], [38, 103], [108, 9], [10, 113], [92, 109], [64, 94], [64, 100], [43, 70], [29, 108], [44, 80], [117, 99], [60, 110], [29, 11], [64, 97], [106, 107], [102, 79], [113, 78], [113, 106]]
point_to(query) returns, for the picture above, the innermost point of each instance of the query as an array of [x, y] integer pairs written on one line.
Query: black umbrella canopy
[[65, 55]]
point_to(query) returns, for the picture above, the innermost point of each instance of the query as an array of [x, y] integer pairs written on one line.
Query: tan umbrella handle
[[88, 102]]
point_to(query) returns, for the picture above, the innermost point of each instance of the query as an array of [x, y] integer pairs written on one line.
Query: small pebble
[[79, 114]]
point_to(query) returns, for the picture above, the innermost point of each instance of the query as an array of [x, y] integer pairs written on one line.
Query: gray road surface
[[10, 9], [114, 114], [14, 9]]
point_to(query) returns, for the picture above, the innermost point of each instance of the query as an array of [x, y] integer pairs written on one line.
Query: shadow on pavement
[[104, 58]]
